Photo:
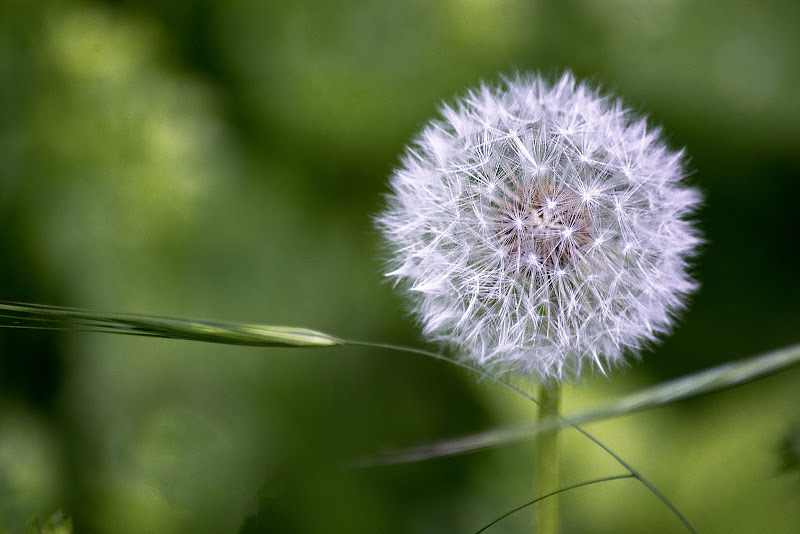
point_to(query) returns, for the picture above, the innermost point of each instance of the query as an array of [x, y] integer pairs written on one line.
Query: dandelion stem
[[547, 460]]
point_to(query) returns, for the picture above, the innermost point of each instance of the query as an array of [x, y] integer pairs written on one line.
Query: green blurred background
[[222, 159]]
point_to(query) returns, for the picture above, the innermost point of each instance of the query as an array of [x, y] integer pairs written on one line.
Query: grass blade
[[36, 316], [715, 379], [561, 420], [567, 488]]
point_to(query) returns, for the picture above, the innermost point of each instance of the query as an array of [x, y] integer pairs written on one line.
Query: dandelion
[[541, 228]]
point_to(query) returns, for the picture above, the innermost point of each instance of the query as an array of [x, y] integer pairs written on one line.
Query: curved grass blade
[[561, 420], [36, 316], [561, 490], [711, 380]]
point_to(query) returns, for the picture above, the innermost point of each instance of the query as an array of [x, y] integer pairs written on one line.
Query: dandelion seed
[[542, 228]]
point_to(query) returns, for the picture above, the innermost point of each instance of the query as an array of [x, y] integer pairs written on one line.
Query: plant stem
[[547, 459]]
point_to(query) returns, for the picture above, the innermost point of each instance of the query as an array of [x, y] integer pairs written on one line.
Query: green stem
[[547, 459]]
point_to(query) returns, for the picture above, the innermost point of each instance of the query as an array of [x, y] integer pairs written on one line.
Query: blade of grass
[[36, 316], [711, 380], [560, 490], [563, 421]]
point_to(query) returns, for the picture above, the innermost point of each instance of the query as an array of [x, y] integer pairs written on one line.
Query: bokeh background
[[222, 159]]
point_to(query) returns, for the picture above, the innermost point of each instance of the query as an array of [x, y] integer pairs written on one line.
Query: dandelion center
[[539, 226]]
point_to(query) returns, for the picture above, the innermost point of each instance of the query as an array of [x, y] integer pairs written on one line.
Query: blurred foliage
[[222, 159], [57, 524], [790, 451]]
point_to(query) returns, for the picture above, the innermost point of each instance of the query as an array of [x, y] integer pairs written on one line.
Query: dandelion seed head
[[542, 228]]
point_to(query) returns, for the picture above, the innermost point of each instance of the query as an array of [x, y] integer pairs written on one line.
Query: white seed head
[[541, 228]]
